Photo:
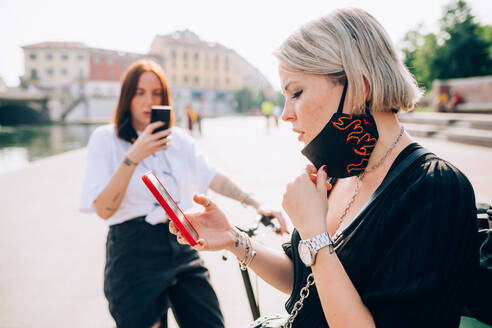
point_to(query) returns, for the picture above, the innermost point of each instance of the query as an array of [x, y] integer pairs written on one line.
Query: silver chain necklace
[[359, 179], [310, 278]]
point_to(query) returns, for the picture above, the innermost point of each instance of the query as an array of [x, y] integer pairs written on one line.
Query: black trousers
[[147, 271]]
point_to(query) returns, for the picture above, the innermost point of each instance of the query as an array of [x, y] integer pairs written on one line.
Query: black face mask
[[345, 143]]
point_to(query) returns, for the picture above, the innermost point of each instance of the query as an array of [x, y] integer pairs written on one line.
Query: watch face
[[305, 254]]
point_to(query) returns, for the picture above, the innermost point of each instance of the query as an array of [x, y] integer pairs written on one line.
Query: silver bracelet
[[247, 258]]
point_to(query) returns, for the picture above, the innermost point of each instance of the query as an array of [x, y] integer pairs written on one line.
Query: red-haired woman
[[146, 269]]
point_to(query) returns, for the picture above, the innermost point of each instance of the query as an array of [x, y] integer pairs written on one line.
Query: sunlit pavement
[[52, 256]]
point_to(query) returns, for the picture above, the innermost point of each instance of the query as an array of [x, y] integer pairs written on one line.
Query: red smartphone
[[169, 205]]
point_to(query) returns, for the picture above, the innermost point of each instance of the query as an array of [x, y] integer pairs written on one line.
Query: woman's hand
[[212, 226], [276, 214], [148, 143], [305, 202]]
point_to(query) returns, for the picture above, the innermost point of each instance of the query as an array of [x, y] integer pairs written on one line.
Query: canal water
[[22, 144]]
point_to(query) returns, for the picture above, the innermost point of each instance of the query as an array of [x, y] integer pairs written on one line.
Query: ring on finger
[[208, 203]]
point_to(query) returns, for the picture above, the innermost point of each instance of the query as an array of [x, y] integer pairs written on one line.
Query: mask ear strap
[[342, 100]]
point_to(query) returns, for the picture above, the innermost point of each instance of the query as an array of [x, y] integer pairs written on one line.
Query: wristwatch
[[309, 248]]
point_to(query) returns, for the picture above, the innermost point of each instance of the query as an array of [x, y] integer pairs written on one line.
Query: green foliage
[[462, 48], [247, 99], [23, 83], [244, 100], [278, 99]]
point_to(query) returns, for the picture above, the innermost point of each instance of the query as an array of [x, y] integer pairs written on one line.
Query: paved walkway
[[52, 256]]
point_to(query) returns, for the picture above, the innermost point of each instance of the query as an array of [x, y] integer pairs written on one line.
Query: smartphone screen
[[161, 113]]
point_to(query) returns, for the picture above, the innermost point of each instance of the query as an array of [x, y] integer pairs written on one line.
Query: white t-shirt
[[182, 169]]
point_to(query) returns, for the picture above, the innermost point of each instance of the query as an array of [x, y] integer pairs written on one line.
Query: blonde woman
[[400, 260]]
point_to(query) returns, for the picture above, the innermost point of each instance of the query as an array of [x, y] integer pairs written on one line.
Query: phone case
[[169, 205]]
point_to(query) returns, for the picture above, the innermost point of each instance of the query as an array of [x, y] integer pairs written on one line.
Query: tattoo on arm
[[239, 240], [109, 209], [229, 189]]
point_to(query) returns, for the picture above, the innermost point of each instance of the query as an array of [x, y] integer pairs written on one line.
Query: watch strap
[[319, 241]]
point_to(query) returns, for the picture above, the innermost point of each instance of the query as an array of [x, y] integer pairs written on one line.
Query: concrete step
[[420, 118], [474, 121], [475, 129], [470, 136], [423, 130], [456, 133]]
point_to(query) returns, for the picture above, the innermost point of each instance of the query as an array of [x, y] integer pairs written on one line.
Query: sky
[[253, 28]]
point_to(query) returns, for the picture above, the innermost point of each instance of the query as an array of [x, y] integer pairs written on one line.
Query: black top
[[410, 254]]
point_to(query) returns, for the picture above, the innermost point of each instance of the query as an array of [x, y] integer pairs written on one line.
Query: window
[[63, 71], [34, 74], [185, 55], [81, 74], [173, 54], [49, 56], [196, 56], [80, 57], [109, 60], [197, 79], [64, 57], [97, 60], [185, 79], [33, 56], [49, 71]]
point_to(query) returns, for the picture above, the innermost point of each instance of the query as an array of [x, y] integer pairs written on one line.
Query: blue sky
[[253, 28]]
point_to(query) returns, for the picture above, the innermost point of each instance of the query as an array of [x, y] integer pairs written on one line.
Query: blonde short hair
[[351, 45]]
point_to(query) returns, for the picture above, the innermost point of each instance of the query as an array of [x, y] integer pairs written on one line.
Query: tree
[[278, 99], [245, 100], [462, 48], [419, 54], [464, 53]]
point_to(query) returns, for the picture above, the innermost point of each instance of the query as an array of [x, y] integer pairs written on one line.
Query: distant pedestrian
[[191, 117], [277, 111], [266, 110], [146, 270], [199, 117]]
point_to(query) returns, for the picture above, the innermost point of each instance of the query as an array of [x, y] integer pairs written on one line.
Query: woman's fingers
[[152, 126], [181, 239], [161, 134], [310, 168], [321, 180], [314, 179], [172, 228], [204, 201], [201, 244]]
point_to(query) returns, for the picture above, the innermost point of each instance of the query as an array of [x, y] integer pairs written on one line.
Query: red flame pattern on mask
[[364, 142]]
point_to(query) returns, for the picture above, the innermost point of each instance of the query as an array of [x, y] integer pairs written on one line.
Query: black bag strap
[[390, 177]]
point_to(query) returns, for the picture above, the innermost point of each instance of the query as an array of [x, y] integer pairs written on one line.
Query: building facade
[[204, 74], [199, 73], [53, 64]]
